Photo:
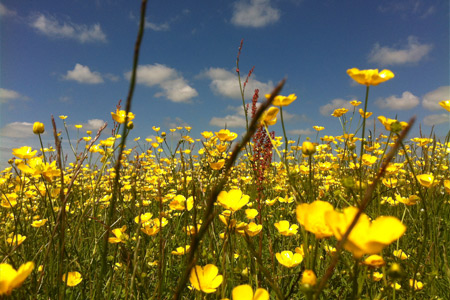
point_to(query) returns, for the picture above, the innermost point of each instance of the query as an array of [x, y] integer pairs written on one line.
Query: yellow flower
[[181, 250], [245, 292], [11, 279], [269, 117], [207, 134], [388, 122], [447, 186], [355, 102], [253, 229], [226, 135], [121, 237], [370, 77], [217, 165], [377, 276], [426, 180], [319, 128], [308, 148], [63, 117], [375, 261], [251, 213], [78, 126], [366, 115], [312, 217], [366, 237], [24, 152], [283, 100], [285, 229], [400, 254], [16, 240], [309, 278], [119, 116], [233, 200], [445, 104], [368, 159], [205, 279], [289, 259], [38, 128], [338, 112], [416, 284], [73, 278], [179, 202], [39, 223], [9, 200]]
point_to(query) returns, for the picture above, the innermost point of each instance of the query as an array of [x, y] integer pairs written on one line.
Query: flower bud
[[309, 278], [308, 148], [38, 128], [130, 125]]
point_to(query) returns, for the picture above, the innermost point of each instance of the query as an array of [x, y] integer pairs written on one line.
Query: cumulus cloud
[[432, 120], [254, 13], [431, 100], [327, 109], [93, 124], [225, 83], [17, 130], [5, 12], [51, 27], [8, 95], [229, 121], [83, 74], [174, 86], [301, 132], [406, 101], [413, 52]]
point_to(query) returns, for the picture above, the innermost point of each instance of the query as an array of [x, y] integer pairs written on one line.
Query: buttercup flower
[[38, 128], [205, 279], [11, 279], [289, 259], [233, 200], [366, 237], [374, 261], [24, 152], [370, 77], [119, 116], [426, 180], [73, 278], [269, 117], [445, 104], [312, 217], [282, 100], [245, 292], [309, 277], [284, 228], [338, 112]]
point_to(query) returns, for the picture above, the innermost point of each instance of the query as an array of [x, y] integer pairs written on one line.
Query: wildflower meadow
[[360, 215]]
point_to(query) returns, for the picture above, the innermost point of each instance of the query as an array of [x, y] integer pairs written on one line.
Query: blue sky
[[73, 57]]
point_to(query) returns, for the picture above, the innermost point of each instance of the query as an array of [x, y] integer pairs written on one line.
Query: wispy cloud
[[9, 95], [225, 83], [174, 86], [17, 130], [431, 100], [157, 27], [412, 52], [327, 109], [406, 8], [406, 101], [5, 12], [54, 28], [432, 120], [83, 74], [254, 13], [229, 121], [93, 124], [301, 132]]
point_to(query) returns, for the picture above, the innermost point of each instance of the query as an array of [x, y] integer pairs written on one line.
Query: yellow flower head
[[319, 128], [11, 279], [38, 128], [282, 100], [355, 102], [284, 228], [289, 259], [374, 261], [245, 292], [73, 278], [426, 180], [233, 200], [226, 135], [309, 278], [217, 165], [370, 77], [24, 152], [120, 115], [269, 117], [205, 279], [339, 112], [312, 217], [366, 237], [445, 104]]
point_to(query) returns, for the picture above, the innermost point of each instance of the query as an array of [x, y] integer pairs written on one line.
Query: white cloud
[[431, 100], [83, 74], [225, 83], [327, 109], [174, 122], [408, 8], [157, 27], [229, 121], [254, 13], [17, 130], [406, 101], [413, 52], [94, 124], [432, 120], [301, 132], [4, 11], [174, 86], [53, 28], [8, 95]]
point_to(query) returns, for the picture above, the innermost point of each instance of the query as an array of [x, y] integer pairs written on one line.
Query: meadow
[[361, 215]]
